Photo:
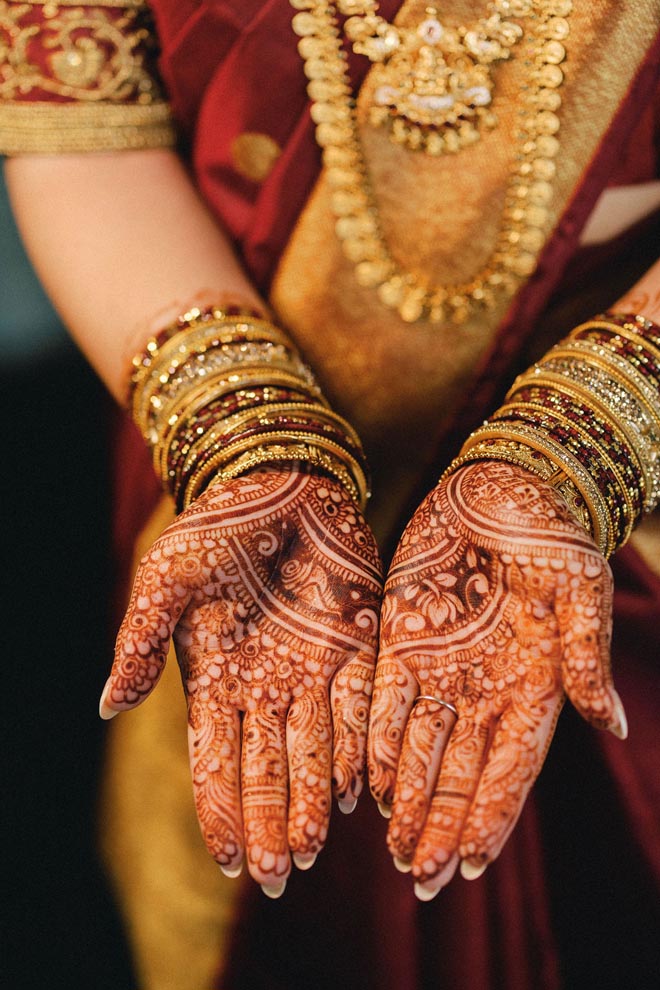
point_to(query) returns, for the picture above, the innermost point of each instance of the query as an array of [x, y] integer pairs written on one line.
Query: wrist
[[222, 391], [586, 419]]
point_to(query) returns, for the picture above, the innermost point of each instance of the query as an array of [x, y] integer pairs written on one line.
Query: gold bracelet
[[291, 452], [600, 525], [229, 453]]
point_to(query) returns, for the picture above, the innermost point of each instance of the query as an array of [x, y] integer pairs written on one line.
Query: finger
[[425, 739], [157, 602], [264, 797], [436, 856], [514, 760], [349, 697], [214, 733], [395, 690], [309, 747], [584, 612]]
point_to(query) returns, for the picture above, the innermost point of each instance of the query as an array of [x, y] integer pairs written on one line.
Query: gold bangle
[[227, 454], [601, 524], [290, 452]]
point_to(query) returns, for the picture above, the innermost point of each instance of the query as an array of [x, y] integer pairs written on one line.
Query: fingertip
[[619, 724], [385, 810], [231, 871], [426, 893], [274, 890], [401, 865], [304, 861], [471, 870], [105, 711], [347, 805]]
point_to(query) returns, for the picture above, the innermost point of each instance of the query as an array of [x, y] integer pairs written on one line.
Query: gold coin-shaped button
[[254, 155]]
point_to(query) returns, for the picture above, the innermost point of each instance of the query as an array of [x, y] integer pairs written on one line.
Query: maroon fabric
[[549, 913]]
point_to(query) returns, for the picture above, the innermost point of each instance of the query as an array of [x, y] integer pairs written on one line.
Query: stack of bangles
[[586, 419], [222, 391]]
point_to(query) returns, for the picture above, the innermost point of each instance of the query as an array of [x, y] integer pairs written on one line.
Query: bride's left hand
[[497, 602]]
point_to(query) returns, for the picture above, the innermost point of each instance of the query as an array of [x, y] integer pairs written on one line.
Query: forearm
[[644, 296], [123, 244]]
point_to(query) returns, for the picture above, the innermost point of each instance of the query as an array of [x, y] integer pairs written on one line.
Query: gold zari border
[[55, 128]]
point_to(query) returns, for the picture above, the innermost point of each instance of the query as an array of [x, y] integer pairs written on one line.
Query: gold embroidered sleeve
[[76, 77]]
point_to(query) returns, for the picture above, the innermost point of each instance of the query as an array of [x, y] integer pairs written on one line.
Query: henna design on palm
[[497, 602], [270, 586]]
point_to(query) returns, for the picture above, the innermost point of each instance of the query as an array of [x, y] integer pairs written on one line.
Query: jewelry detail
[[438, 701], [433, 83], [528, 194], [587, 420], [222, 391], [77, 77]]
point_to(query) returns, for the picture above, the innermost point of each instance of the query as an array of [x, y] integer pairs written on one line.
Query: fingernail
[[232, 871], [274, 890], [402, 866], [423, 893], [105, 711], [304, 861], [347, 805], [470, 870], [385, 810], [619, 726]]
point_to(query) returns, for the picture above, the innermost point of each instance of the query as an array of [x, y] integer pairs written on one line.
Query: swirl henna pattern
[[496, 603], [270, 585]]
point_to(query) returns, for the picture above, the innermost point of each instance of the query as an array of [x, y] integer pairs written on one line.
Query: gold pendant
[[433, 87]]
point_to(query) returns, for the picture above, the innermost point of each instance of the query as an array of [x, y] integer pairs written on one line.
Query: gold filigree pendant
[[433, 82]]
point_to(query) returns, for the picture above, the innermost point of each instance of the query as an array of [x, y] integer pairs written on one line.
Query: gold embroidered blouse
[[76, 77]]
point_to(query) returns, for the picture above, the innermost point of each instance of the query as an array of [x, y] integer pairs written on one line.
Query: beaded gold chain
[[529, 191]]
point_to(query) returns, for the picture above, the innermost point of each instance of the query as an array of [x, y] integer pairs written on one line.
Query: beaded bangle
[[220, 392], [586, 419]]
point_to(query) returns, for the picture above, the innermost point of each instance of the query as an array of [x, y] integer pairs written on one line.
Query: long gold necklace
[[433, 86], [529, 191]]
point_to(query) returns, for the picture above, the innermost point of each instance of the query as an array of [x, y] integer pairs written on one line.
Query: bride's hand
[[270, 585], [497, 602]]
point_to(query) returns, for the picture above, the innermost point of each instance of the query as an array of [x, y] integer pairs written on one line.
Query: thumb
[[143, 640]]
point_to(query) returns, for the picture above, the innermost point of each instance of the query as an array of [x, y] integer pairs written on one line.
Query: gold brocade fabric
[[397, 382]]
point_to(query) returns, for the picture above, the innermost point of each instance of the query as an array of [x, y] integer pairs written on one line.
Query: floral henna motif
[[497, 601], [270, 586]]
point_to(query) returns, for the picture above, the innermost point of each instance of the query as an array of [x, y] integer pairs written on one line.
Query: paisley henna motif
[[497, 602], [270, 586]]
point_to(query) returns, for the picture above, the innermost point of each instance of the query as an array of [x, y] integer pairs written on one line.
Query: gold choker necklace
[[529, 191]]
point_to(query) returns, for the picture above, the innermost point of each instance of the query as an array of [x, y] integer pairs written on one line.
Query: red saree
[[573, 900]]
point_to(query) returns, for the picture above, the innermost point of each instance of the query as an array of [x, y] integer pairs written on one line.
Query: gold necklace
[[529, 191], [433, 87]]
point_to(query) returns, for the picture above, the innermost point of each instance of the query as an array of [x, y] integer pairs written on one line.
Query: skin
[[144, 248], [271, 587], [498, 603]]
